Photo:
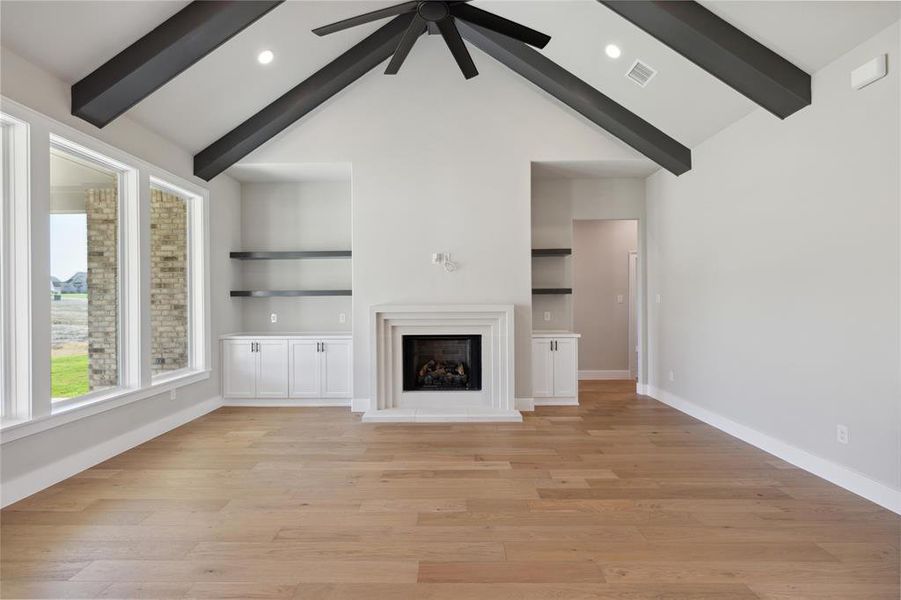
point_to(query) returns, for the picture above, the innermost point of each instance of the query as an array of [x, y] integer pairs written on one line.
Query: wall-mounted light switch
[[672, 376], [273, 318], [658, 298], [547, 315], [342, 318]]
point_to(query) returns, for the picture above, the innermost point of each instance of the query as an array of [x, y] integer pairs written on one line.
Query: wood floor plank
[[620, 498]]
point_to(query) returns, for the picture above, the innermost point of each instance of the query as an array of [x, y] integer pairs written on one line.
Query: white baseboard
[[43, 477], [622, 374], [842, 476], [526, 404], [286, 402], [556, 401], [359, 405]]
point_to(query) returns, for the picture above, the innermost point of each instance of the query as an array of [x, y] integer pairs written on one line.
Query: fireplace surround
[[398, 399]]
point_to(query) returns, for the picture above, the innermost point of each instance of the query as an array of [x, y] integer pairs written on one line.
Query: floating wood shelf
[[287, 293], [551, 252], [291, 254], [549, 291]]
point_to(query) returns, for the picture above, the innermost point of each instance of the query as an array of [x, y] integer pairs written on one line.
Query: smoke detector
[[640, 73]]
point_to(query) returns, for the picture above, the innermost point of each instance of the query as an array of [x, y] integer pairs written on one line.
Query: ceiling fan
[[429, 15]]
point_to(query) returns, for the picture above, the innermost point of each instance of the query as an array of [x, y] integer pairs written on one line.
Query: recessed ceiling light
[[265, 57], [613, 51]]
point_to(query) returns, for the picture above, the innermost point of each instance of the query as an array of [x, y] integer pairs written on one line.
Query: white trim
[[620, 374], [17, 309], [562, 401], [18, 429], [359, 405], [526, 404], [840, 475], [43, 477], [287, 402]]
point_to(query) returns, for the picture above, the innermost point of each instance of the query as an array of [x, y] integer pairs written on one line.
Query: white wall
[[777, 261], [29, 463], [296, 216], [600, 275], [441, 166]]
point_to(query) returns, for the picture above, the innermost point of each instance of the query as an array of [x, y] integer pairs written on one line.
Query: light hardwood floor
[[620, 498]]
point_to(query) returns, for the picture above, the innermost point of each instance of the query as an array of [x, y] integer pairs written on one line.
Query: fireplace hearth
[[442, 363]]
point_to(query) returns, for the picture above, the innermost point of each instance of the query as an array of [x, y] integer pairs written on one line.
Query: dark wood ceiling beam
[[722, 50], [581, 97], [158, 57], [301, 99]]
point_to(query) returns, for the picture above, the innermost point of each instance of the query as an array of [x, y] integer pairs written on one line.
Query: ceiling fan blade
[[417, 28], [397, 9], [454, 42], [494, 22]]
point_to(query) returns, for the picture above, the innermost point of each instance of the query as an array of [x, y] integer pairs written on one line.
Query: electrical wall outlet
[[672, 376], [342, 318], [547, 315], [619, 298], [172, 394], [273, 318], [841, 434]]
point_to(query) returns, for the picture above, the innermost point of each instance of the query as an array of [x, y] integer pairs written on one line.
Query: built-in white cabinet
[[254, 368], [298, 367], [320, 368], [555, 364]]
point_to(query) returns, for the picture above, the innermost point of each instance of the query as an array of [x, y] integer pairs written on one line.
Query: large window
[[109, 254], [84, 275], [170, 258]]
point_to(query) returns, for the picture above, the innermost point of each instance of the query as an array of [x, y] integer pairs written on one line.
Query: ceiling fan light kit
[[441, 15]]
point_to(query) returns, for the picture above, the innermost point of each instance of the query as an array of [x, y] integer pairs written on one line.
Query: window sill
[[14, 430]]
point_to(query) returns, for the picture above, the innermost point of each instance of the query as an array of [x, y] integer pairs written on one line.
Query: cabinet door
[[272, 379], [304, 370], [565, 376], [239, 369], [337, 367], [542, 368]]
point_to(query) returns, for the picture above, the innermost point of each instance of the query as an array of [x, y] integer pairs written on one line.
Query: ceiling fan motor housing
[[433, 11]]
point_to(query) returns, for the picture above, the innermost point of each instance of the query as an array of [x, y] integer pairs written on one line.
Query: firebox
[[442, 363]]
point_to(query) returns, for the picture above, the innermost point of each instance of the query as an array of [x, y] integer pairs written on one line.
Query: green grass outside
[[69, 376]]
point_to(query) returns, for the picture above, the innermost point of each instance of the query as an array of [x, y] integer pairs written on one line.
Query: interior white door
[[564, 357], [336, 364], [304, 372], [542, 368], [272, 379], [239, 369]]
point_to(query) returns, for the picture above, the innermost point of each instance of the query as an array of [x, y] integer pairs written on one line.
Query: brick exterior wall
[[102, 208], [169, 281]]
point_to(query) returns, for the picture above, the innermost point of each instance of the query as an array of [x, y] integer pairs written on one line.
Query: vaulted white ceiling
[[72, 38]]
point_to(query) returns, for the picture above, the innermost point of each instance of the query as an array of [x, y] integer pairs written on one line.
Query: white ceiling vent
[[641, 73]]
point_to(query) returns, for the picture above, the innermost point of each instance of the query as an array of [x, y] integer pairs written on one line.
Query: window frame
[[198, 325], [15, 308], [135, 378], [127, 283]]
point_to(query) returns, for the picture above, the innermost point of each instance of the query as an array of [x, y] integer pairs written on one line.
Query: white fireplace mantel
[[390, 403]]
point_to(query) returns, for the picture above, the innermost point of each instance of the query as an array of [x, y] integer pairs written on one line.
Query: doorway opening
[[605, 293]]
